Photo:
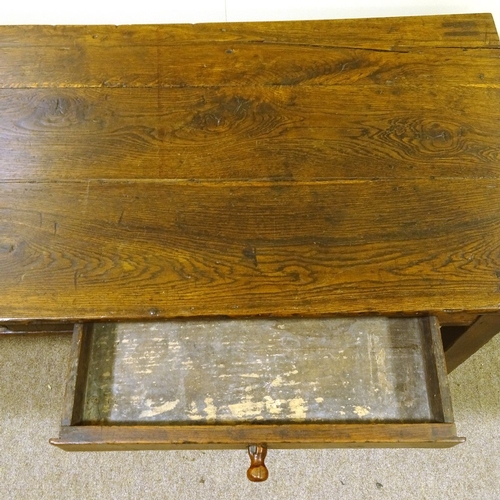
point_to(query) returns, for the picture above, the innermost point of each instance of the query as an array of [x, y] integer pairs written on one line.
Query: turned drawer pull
[[257, 471]]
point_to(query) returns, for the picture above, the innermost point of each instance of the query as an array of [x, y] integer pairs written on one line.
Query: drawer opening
[[261, 371], [231, 383]]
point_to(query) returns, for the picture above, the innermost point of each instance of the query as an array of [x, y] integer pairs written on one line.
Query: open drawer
[[258, 383]]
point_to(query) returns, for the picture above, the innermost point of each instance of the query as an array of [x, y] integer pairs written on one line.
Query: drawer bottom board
[[260, 371]]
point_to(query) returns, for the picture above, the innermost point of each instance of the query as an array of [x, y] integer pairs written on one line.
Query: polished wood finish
[[304, 168], [353, 246], [257, 472], [251, 133], [310, 169]]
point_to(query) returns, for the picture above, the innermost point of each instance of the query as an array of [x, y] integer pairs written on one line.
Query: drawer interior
[[261, 371], [231, 383]]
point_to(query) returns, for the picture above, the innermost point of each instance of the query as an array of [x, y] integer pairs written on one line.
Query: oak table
[[306, 169]]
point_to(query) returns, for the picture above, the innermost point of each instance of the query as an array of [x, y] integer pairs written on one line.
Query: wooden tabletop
[[286, 168]]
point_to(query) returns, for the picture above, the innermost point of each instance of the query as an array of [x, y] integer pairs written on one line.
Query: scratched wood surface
[[262, 371], [250, 168]]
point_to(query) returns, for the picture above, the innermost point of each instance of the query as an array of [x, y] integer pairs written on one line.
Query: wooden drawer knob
[[257, 471]]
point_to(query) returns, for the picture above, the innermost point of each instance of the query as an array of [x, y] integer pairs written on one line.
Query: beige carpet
[[32, 372]]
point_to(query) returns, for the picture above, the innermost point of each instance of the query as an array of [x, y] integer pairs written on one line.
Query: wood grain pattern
[[240, 53], [241, 63], [212, 248], [464, 30], [250, 168], [250, 133]]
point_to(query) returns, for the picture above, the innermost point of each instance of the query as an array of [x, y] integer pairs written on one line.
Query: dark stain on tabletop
[[251, 253]]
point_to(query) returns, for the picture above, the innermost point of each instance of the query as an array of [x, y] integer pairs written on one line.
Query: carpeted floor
[[32, 372]]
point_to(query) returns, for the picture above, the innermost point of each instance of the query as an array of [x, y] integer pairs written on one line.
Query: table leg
[[478, 334]]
